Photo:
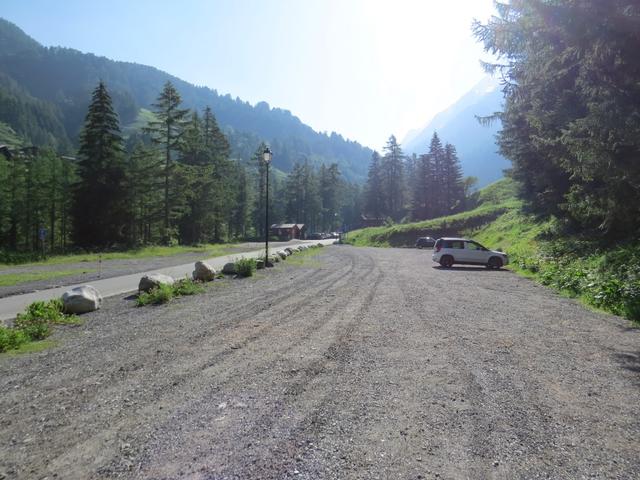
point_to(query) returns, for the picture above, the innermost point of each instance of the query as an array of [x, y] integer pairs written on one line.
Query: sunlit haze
[[365, 69]]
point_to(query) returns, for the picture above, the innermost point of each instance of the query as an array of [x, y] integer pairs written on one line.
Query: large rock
[[281, 254], [204, 272], [154, 280], [229, 269], [289, 250], [81, 299], [320, 245]]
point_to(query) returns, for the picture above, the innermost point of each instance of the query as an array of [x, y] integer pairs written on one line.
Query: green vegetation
[[35, 324], [603, 276], [210, 251], [246, 267], [10, 279], [165, 293], [493, 201], [306, 258]]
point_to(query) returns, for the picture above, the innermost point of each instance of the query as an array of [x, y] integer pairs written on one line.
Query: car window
[[454, 244], [473, 246]]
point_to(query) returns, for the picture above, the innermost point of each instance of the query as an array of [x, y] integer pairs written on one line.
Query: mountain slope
[[458, 125], [65, 77]]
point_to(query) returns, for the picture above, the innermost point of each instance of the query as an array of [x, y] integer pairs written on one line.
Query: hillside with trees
[[57, 83], [177, 185]]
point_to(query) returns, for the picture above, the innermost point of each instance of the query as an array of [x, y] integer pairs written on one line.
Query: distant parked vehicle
[[314, 236], [450, 251], [425, 242]]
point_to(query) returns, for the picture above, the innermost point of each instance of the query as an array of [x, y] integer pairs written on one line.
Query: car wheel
[[446, 261], [495, 262], [419, 247]]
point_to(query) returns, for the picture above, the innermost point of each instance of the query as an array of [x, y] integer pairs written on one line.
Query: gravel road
[[92, 271], [360, 364]]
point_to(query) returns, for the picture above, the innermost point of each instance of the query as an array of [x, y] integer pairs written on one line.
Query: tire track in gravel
[[193, 369], [130, 372], [303, 376]]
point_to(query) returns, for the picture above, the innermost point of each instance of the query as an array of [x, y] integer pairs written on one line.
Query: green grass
[[306, 258], [166, 293], [10, 279], [208, 251], [494, 200], [31, 347], [34, 325]]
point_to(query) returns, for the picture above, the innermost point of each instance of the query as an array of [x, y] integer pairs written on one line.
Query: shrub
[[157, 296], [187, 286], [11, 338], [246, 267]]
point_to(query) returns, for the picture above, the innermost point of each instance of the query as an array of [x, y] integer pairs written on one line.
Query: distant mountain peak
[[458, 125]]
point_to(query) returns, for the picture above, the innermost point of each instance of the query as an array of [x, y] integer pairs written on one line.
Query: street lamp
[[266, 156]]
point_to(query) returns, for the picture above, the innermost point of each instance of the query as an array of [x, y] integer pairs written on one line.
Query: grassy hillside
[[493, 201], [601, 275]]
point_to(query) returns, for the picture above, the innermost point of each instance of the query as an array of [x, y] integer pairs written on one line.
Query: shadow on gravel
[[467, 269], [630, 361]]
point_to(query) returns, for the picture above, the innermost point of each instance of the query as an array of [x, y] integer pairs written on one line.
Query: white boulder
[[154, 280], [81, 299]]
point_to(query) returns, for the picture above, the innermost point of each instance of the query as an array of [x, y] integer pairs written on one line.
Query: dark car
[[315, 236], [425, 242]]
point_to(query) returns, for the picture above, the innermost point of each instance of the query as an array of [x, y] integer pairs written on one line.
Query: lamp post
[[266, 156]]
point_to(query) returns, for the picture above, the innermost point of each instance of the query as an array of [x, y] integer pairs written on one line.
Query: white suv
[[448, 251]]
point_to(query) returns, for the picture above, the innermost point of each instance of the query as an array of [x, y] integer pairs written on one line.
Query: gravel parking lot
[[358, 364]]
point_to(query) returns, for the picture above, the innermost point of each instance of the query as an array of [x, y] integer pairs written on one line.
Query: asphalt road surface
[[359, 364]]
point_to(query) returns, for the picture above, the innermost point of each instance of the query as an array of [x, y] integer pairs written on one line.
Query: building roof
[[287, 225]]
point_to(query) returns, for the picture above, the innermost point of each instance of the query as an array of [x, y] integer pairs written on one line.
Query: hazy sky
[[363, 68]]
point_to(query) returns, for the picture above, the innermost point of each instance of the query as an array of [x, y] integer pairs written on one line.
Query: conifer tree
[[374, 195], [167, 132], [392, 173], [100, 212], [452, 182]]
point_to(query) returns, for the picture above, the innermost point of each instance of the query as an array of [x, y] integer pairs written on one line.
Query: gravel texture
[[362, 364]]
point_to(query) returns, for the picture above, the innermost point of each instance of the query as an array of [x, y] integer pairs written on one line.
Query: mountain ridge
[[459, 126], [71, 75]]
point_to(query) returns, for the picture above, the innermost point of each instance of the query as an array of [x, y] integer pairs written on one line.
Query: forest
[[176, 184]]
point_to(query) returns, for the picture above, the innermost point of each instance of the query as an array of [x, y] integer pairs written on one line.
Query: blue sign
[[42, 233]]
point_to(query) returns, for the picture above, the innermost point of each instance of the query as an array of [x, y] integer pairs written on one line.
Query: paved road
[[361, 364], [115, 285]]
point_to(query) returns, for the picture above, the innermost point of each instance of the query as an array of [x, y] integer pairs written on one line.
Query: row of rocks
[[86, 298]]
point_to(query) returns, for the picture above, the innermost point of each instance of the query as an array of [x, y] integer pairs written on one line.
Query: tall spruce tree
[[100, 211], [393, 182], [452, 181], [167, 131], [374, 193]]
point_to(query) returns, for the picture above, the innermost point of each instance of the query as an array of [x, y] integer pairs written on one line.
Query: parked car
[[450, 251], [425, 242], [314, 236]]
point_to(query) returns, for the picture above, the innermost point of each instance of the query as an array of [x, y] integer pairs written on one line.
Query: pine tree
[[374, 194], [452, 182], [100, 212], [392, 173], [167, 131]]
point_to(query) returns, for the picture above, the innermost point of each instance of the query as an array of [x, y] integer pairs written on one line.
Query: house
[[288, 231], [366, 221]]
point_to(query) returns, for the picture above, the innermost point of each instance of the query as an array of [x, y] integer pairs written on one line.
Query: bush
[[156, 296], [246, 267], [187, 286], [11, 338], [34, 324]]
